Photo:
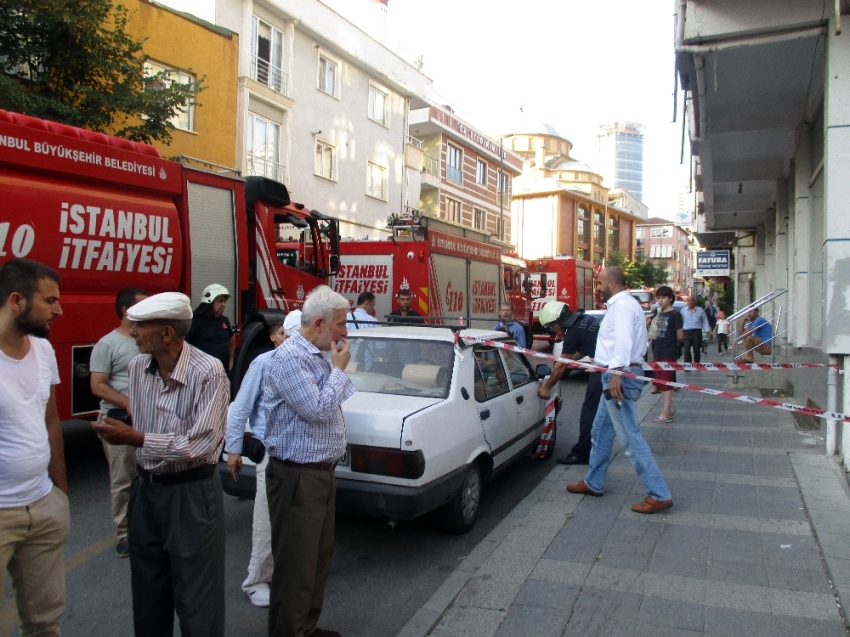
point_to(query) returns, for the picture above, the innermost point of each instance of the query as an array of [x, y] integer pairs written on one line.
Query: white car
[[430, 424]]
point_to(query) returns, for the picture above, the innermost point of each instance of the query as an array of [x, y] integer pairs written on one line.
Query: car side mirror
[[543, 370]]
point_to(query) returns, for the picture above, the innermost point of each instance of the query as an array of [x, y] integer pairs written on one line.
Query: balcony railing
[[454, 174], [416, 143], [266, 73], [262, 167], [431, 165]]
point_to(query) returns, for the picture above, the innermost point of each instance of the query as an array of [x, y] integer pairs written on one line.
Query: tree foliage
[[641, 272], [72, 61]]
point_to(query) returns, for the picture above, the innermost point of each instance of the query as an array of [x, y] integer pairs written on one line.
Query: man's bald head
[[615, 275], [611, 281]]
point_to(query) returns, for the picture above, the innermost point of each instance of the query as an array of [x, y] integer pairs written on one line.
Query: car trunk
[[376, 419]]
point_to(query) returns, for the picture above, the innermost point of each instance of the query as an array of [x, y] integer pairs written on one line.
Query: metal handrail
[[431, 165], [259, 165], [267, 73], [774, 324], [767, 298]]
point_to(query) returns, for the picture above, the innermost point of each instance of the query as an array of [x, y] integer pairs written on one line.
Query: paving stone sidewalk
[[756, 544]]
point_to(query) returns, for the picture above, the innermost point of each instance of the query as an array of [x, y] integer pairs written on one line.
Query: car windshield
[[401, 366], [642, 297]]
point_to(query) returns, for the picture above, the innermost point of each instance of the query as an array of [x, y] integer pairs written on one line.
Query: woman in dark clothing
[[211, 331]]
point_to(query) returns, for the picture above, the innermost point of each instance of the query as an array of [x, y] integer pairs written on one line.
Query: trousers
[[261, 565], [588, 412], [302, 508], [122, 471], [621, 420], [176, 534], [692, 340], [32, 540]]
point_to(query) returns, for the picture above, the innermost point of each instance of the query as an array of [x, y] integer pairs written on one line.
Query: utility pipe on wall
[[832, 404]]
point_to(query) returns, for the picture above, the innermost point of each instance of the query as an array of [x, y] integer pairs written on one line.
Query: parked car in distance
[[430, 423], [645, 297]]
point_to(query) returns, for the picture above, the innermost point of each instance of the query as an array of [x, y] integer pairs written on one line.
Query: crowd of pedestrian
[[162, 376]]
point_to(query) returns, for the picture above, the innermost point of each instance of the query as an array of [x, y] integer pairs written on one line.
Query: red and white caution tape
[[724, 367], [548, 428], [808, 411]]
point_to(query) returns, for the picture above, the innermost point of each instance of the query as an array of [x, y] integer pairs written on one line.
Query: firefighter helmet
[[560, 313], [213, 291]]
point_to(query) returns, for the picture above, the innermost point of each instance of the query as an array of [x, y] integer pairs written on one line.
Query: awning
[[715, 240]]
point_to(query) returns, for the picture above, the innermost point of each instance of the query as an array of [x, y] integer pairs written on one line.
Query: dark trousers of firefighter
[[176, 534], [301, 508], [589, 407], [692, 340]]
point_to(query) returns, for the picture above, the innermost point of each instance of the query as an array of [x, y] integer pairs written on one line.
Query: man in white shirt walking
[[620, 346]]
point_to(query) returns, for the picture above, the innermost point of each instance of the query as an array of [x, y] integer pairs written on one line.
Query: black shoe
[[573, 458], [123, 548]]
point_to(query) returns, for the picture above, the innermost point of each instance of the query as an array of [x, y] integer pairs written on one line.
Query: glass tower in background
[[621, 156]]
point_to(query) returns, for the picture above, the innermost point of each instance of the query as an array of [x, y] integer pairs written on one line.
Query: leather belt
[[323, 466], [190, 475]]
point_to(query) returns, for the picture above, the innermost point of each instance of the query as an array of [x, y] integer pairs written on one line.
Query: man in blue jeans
[[620, 346]]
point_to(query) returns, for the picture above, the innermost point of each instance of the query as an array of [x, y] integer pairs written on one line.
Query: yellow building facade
[[559, 205], [199, 50]]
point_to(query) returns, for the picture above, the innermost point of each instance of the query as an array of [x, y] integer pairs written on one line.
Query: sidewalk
[[757, 541]]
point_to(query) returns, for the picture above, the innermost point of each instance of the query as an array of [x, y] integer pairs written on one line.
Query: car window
[[407, 367], [490, 374], [642, 297], [518, 368]]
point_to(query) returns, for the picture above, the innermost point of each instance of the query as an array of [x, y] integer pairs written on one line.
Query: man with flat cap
[[178, 402]]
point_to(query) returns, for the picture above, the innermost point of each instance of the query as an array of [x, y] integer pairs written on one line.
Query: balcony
[[430, 172], [262, 167], [269, 75]]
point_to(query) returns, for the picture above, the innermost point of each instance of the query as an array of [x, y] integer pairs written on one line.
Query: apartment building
[[466, 176], [207, 128], [662, 240], [323, 107]]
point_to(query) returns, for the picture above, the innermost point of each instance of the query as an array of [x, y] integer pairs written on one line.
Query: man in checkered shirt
[[305, 438]]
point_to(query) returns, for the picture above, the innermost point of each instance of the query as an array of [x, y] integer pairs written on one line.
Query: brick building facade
[[466, 177]]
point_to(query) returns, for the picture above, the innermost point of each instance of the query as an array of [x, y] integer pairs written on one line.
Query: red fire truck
[[107, 213], [566, 279], [451, 272]]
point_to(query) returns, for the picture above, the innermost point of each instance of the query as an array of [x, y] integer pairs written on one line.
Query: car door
[[529, 408], [495, 403]]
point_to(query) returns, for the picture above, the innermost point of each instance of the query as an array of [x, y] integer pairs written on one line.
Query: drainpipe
[[755, 40], [845, 426], [699, 63], [832, 404]]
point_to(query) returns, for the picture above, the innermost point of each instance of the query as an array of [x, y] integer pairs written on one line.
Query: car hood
[[377, 419]]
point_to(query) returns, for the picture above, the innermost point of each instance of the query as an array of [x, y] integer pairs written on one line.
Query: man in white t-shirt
[[34, 514], [110, 381]]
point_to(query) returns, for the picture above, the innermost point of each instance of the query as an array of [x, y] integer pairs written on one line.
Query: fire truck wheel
[[458, 515]]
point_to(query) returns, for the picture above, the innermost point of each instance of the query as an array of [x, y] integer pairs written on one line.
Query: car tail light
[[387, 462]]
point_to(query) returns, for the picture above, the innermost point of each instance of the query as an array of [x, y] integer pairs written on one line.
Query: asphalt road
[[378, 580]]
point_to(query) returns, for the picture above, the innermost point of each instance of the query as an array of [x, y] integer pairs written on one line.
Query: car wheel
[[459, 514]]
